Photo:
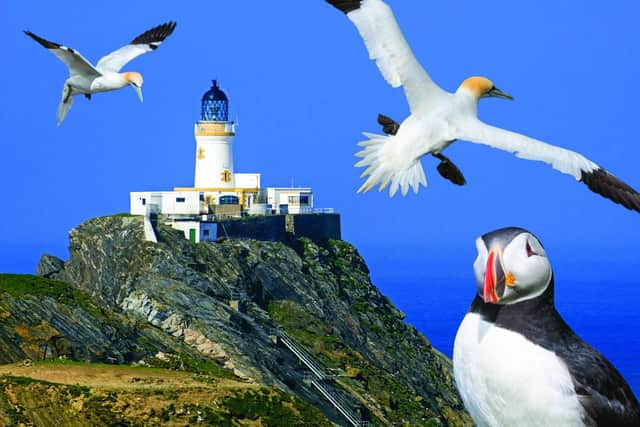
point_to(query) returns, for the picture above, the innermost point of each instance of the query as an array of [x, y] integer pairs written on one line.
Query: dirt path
[[114, 376]]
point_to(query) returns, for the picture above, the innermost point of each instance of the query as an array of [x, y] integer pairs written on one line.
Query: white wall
[[247, 180], [216, 157], [181, 203], [165, 202], [277, 196], [142, 202], [204, 231]]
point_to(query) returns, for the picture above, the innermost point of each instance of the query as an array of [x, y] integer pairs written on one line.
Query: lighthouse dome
[[215, 105]]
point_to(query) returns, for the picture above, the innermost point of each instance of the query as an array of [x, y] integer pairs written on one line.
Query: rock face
[[225, 301], [49, 266]]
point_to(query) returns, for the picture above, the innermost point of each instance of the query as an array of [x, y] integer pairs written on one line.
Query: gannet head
[[482, 87], [135, 80]]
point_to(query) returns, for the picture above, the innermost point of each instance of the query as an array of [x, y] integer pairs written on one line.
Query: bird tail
[[388, 166], [65, 104]]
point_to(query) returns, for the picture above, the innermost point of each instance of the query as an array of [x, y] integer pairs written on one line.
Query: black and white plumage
[[85, 79], [439, 118], [516, 361]]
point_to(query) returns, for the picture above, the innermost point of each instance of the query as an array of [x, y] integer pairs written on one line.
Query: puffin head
[[482, 87], [511, 266]]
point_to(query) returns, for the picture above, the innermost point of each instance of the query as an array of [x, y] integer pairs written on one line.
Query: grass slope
[[79, 394]]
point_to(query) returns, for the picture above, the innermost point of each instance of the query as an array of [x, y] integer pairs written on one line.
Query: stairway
[[321, 381]]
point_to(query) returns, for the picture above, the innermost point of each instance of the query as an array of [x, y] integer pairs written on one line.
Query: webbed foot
[[449, 171], [389, 126]]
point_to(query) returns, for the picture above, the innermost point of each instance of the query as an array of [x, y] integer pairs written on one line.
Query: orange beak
[[496, 277]]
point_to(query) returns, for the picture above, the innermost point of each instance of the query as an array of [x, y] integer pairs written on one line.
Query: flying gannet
[[86, 79], [438, 118]]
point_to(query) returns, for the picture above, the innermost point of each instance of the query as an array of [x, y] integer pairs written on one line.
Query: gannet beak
[[138, 90], [497, 93]]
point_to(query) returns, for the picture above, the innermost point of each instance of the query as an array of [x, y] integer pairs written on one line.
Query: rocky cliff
[[224, 304]]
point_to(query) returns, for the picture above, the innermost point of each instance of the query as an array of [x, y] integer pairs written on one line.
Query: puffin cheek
[[478, 271]]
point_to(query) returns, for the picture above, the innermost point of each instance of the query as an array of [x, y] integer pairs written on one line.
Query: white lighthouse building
[[214, 142], [219, 193]]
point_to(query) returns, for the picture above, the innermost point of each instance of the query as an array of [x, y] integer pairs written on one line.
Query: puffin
[[87, 79], [439, 118], [516, 362]]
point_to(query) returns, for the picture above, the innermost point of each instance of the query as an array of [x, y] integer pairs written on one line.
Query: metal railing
[[302, 355], [338, 401], [323, 210], [342, 407]]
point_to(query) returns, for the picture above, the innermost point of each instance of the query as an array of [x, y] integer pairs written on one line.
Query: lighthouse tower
[[214, 142]]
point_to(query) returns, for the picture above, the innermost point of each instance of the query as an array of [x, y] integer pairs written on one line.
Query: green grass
[[22, 381], [186, 363], [23, 285], [399, 401], [274, 410]]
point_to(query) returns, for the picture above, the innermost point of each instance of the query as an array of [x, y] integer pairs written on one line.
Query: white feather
[[506, 380], [566, 161], [387, 46], [387, 165], [438, 118], [117, 59], [66, 101]]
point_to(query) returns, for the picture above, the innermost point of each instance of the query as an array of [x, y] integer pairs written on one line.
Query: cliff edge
[[230, 303]]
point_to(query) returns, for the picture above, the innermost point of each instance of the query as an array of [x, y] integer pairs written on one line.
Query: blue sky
[[302, 90]]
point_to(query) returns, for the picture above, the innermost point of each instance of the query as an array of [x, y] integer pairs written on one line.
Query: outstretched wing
[[383, 38], [76, 63], [145, 42], [566, 161]]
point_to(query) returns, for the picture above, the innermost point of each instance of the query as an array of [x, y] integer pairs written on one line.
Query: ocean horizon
[[436, 308]]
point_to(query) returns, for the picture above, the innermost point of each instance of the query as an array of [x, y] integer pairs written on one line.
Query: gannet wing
[[76, 63], [145, 42], [566, 161], [386, 44]]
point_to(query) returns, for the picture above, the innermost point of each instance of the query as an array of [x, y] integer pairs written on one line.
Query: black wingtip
[[345, 6], [155, 34], [46, 43], [607, 185]]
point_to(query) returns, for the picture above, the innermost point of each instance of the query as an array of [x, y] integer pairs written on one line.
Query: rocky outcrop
[[49, 266], [226, 300]]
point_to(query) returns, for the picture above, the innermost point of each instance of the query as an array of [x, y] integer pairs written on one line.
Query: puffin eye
[[530, 250]]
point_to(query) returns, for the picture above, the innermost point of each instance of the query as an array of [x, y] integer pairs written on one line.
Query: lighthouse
[[214, 135], [220, 193]]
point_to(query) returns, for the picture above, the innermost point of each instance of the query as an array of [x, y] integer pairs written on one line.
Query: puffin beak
[[138, 90], [497, 93], [496, 277]]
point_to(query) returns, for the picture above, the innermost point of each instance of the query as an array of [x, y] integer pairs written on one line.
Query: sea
[[607, 317]]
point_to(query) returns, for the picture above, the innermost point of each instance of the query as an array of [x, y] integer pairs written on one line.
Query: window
[[229, 200], [180, 199], [144, 201], [301, 199], [205, 232]]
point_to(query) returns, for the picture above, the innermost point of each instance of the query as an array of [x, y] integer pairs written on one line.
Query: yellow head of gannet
[[482, 87], [135, 80]]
